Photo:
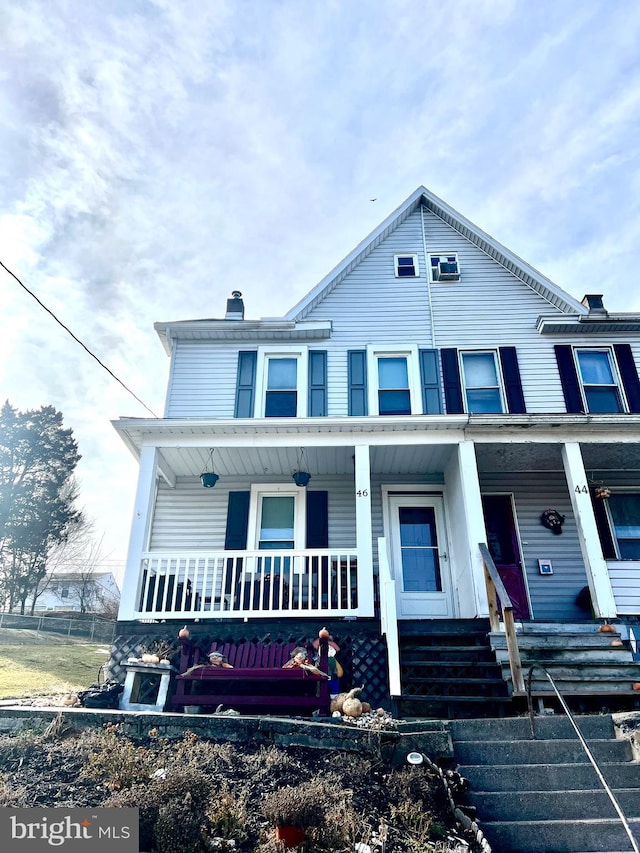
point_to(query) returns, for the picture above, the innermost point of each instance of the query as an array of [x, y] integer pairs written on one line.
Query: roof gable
[[519, 268]]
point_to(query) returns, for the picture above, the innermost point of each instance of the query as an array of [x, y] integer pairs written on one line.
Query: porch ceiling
[[319, 461], [547, 457]]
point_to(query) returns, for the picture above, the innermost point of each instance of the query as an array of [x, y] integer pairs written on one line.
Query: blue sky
[[156, 155]]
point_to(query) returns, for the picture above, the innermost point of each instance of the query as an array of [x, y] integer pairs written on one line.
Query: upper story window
[[623, 510], [599, 381], [394, 387], [481, 382], [406, 266], [444, 267], [281, 396]]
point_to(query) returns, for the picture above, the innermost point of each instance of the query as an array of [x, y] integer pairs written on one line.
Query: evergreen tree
[[37, 496]]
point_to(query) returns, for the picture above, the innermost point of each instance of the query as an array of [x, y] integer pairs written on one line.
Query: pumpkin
[[636, 685], [146, 658], [183, 633], [607, 629], [352, 706], [366, 708]]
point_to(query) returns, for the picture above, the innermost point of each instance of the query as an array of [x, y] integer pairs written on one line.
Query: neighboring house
[[441, 393], [77, 591]]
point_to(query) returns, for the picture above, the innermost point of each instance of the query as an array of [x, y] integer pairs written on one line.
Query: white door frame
[[419, 605]]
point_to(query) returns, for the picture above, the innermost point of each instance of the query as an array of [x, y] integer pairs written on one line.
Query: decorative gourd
[[150, 658], [607, 629], [617, 643], [352, 706], [366, 708], [183, 633], [323, 633], [636, 685]]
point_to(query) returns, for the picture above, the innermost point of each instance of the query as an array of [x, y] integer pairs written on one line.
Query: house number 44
[[582, 490]]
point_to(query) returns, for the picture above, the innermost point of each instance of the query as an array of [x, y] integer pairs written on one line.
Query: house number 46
[[582, 490], [363, 493]]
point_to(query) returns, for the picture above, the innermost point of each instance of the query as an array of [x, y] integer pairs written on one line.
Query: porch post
[[602, 598], [466, 523], [142, 513], [364, 530]]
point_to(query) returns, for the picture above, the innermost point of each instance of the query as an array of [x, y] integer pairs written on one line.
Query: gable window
[[481, 382], [444, 267], [406, 266], [599, 380], [624, 516], [395, 387]]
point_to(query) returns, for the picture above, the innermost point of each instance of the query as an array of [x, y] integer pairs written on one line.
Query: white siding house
[[441, 393]]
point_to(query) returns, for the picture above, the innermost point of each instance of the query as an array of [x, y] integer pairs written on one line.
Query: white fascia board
[[559, 324], [226, 330], [528, 274]]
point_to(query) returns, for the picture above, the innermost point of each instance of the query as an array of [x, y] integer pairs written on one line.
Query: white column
[[466, 526], [596, 567], [140, 526], [364, 532]]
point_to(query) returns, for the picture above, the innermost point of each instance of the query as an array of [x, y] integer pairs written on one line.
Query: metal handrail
[[585, 746]]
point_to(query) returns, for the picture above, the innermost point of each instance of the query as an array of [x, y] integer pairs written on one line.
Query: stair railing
[[585, 746], [389, 616], [496, 592]]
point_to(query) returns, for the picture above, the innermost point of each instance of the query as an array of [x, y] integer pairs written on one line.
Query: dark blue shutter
[[604, 530], [512, 382], [357, 378], [430, 379], [246, 384], [629, 375], [317, 383], [451, 377], [237, 521], [317, 519], [569, 378]]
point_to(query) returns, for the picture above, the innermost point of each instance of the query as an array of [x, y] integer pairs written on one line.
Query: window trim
[[619, 491], [613, 364], [261, 490], [416, 265], [300, 353], [413, 374], [501, 385], [440, 256]]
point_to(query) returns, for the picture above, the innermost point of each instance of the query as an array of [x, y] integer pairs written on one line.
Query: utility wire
[[76, 339]]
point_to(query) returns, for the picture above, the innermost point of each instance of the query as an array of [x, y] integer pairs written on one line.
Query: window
[[444, 267], [394, 397], [624, 517], [64, 590], [600, 384], [281, 400], [406, 266], [394, 387], [481, 382], [281, 382], [277, 517]]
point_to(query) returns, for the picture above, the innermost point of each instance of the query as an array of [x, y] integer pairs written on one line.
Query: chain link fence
[[90, 627]]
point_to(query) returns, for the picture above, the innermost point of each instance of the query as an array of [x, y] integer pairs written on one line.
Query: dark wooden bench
[[257, 682]]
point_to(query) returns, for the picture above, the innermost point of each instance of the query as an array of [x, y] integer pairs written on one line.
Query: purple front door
[[503, 547]]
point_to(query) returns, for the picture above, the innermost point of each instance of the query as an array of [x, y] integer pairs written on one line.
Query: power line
[[77, 340]]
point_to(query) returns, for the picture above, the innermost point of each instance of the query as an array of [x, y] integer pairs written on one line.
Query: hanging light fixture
[[209, 478], [301, 477]]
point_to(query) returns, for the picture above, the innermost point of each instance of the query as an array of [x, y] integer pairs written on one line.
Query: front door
[[419, 556], [502, 541]]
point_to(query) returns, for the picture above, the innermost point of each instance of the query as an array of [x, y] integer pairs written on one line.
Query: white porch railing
[[236, 584], [389, 617]]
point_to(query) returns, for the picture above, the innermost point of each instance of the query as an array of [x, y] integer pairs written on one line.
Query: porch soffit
[[532, 457]]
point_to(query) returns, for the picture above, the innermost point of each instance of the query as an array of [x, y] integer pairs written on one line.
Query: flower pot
[[291, 836], [209, 479]]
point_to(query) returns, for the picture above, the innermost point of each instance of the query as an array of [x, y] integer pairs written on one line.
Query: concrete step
[[553, 805], [539, 752], [559, 836], [550, 777], [598, 726]]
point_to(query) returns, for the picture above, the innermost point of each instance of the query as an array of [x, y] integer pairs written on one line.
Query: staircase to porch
[[448, 670]]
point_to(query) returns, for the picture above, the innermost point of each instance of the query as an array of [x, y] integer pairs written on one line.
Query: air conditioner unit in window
[[447, 271]]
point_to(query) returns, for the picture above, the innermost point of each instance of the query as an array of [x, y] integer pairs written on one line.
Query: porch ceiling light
[[208, 478], [300, 477]]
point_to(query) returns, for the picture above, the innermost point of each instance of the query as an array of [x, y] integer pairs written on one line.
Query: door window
[[419, 549]]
